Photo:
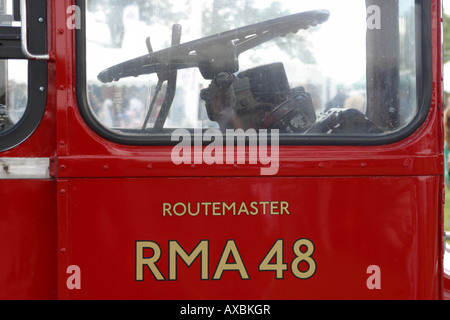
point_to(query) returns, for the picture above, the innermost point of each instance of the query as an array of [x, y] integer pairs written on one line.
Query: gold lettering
[[150, 262], [176, 250], [206, 204], [191, 213], [231, 249], [243, 209], [264, 206], [285, 207], [254, 206], [166, 209], [274, 208], [229, 208], [179, 204], [216, 209]]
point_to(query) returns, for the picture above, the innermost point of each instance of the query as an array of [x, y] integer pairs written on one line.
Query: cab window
[[13, 92], [13, 75], [23, 73], [321, 71]]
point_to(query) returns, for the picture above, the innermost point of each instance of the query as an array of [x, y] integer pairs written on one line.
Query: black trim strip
[[425, 83]]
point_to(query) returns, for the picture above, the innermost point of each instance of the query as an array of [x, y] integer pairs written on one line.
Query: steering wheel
[[213, 54]]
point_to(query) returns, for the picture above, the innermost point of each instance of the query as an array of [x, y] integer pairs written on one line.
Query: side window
[[13, 92], [321, 71], [23, 74]]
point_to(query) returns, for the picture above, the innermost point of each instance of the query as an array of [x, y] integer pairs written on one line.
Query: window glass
[[13, 77], [321, 67], [13, 92], [23, 77]]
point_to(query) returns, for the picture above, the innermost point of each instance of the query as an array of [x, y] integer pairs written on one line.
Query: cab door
[[224, 150]]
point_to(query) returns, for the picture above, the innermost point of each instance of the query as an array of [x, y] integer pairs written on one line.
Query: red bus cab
[[221, 150]]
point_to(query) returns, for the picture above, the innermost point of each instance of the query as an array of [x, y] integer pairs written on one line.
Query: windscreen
[[304, 68]]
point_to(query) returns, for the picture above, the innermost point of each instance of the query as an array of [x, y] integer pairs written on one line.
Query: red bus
[[221, 150]]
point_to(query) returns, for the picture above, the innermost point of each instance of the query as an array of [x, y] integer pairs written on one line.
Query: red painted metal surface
[[27, 240], [346, 219], [359, 206]]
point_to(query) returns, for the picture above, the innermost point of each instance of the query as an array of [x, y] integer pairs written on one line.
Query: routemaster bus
[[221, 150]]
